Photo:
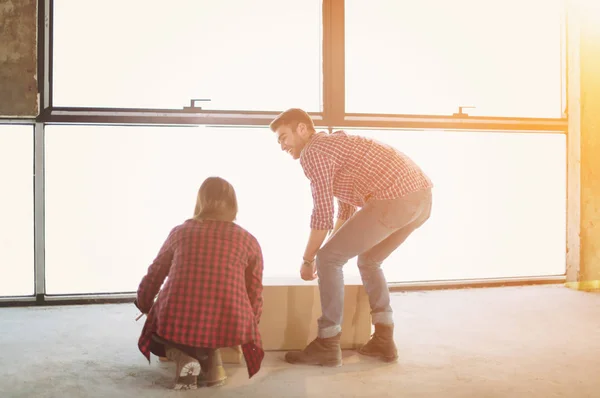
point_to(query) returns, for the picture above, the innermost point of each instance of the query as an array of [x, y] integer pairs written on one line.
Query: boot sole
[[325, 365], [186, 383], [378, 355], [190, 369], [188, 376], [217, 383], [332, 364], [328, 364]]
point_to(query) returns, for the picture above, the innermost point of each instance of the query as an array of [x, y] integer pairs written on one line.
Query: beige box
[[290, 313], [232, 355]]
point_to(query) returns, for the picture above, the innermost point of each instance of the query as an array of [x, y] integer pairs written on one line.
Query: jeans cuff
[[329, 332], [385, 318]]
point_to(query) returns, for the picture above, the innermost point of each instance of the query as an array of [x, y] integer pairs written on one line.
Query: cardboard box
[[291, 310], [232, 355]]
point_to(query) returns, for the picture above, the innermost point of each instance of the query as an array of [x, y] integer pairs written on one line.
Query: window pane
[[107, 217], [499, 206], [16, 211], [491, 217], [432, 56], [250, 55]]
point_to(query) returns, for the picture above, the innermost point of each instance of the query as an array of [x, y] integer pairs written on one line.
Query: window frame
[[333, 93], [333, 115]]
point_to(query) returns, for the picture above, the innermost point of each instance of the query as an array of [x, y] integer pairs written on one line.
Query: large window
[[16, 211], [240, 54], [499, 206], [114, 193], [432, 56]]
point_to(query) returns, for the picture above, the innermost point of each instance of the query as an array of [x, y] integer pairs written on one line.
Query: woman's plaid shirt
[[212, 296]]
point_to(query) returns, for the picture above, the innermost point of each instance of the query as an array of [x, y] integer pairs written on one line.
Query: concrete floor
[[541, 341]]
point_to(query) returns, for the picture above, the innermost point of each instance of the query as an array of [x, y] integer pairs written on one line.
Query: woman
[[212, 296]]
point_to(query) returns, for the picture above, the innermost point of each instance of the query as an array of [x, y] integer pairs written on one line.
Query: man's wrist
[[307, 262]]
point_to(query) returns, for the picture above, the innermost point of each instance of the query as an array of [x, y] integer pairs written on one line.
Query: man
[[395, 199]]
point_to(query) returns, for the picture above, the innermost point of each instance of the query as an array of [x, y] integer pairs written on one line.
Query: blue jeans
[[372, 234]]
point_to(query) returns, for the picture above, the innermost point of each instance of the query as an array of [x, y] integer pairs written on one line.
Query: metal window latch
[[193, 102], [461, 113]]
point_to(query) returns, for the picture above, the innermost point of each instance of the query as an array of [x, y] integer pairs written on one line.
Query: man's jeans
[[372, 234]]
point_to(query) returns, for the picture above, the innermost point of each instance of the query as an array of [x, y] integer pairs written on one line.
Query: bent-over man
[[394, 196]]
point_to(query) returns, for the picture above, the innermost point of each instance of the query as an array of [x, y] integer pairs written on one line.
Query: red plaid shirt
[[212, 297], [353, 169]]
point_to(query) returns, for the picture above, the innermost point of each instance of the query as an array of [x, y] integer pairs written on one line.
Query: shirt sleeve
[[345, 210], [254, 284], [154, 278], [320, 170]]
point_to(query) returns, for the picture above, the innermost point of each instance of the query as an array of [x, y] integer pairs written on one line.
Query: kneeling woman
[[212, 297]]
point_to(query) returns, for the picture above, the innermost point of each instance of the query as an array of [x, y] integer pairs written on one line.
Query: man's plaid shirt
[[354, 169]]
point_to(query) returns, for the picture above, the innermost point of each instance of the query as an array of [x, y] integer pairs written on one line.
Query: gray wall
[[18, 58]]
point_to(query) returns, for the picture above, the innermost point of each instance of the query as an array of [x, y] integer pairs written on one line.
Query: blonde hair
[[216, 200]]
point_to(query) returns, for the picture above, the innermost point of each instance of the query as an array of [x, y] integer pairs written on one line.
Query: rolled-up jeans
[[372, 234]]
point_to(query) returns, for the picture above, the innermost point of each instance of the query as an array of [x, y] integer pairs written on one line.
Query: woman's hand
[[308, 270]]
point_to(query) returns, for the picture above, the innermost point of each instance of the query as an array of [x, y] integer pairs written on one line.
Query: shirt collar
[[312, 139]]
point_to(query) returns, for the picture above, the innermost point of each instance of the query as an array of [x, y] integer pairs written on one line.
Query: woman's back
[[214, 286]]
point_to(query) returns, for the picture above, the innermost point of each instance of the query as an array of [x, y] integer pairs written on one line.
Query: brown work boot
[[324, 352], [381, 344], [213, 373], [187, 369]]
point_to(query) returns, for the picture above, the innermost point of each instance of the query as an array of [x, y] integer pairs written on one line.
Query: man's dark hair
[[292, 117]]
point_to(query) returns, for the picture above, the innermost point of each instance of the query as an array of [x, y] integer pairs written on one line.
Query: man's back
[[363, 168]]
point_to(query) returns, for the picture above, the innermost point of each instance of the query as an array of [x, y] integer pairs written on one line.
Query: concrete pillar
[[583, 96], [18, 58]]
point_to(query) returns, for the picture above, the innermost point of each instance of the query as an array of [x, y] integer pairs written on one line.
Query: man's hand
[[308, 270]]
